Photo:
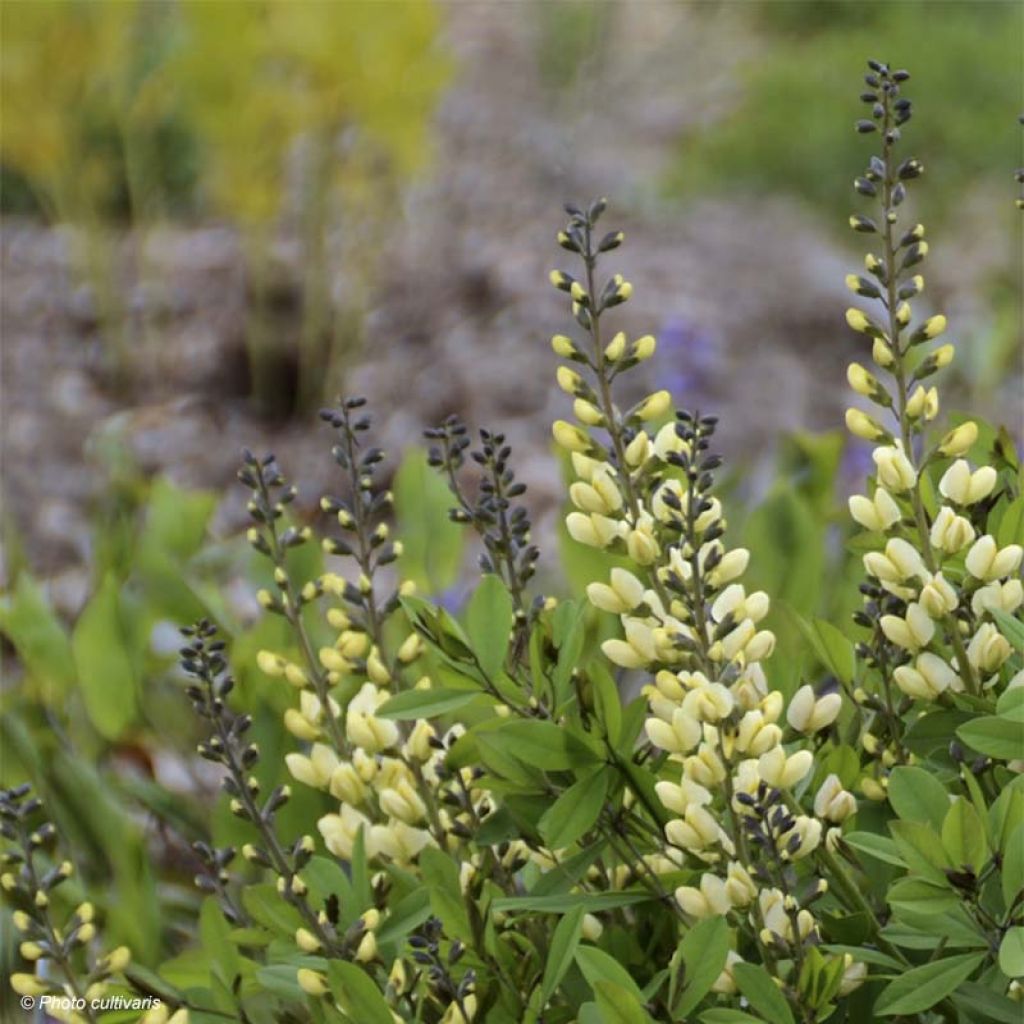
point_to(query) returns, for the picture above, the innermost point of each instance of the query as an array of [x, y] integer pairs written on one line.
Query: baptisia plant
[[600, 808]]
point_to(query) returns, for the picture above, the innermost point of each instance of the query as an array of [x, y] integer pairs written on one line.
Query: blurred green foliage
[[784, 136]]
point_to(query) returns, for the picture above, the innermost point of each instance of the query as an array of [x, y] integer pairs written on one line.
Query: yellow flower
[[834, 803], [988, 648], [312, 983], [808, 714], [986, 561], [950, 532], [623, 594], [784, 772], [960, 439], [570, 437], [643, 348], [929, 677], [860, 380], [895, 471], [911, 632], [654, 406], [860, 424], [877, 514]]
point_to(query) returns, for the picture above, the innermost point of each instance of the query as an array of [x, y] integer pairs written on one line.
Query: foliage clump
[[601, 808]]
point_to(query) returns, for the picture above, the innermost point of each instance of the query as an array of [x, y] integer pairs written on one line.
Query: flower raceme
[[644, 491]]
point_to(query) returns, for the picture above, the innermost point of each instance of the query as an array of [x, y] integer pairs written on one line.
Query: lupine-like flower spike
[[733, 788], [502, 525], [28, 878], [935, 574]]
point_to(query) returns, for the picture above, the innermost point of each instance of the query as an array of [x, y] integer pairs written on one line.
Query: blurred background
[[216, 216]]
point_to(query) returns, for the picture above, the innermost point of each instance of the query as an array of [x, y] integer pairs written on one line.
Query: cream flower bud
[[863, 382], [950, 532], [900, 562], [306, 941], [570, 437], [117, 959], [924, 402], [643, 348], [937, 597], [740, 888], [596, 531], [784, 772], [638, 451], [895, 471], [932, 327], [28, 985], [30, 950], [616, 348], [859, 321], [855, 973], [912, 632], [568, 380], [710, 899], [808, 714], [623, 594], [881, 353], [299, 726], [733, 565], [367, 949], [563, 346], [1007, 597], [591, 928], [860, 424], [587, 413], [679, 736], [641, 546], [725, 983], [877, 514], [929, 677], [985, 561], [834, 803], [988, 648], [808, 832], [270, 664], [695, 831], [963, 487], [654, 406], [311, 983], [410, 649]]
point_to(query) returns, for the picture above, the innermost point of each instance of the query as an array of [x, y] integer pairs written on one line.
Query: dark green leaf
[[575, 811], [922, 987], [562, 951], [357, 994], [704, 950], [762, 993], [431, 703], [489, 619], [916, 795]]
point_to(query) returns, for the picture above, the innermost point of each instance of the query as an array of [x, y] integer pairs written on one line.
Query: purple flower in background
[[689, 357], [854, 469]]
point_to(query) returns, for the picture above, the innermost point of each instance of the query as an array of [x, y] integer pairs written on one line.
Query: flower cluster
[[49, 935], [730, 782], [938, 575]]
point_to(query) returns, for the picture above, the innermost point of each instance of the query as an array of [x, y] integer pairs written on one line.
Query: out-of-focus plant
[[344, 93], [613, 807]]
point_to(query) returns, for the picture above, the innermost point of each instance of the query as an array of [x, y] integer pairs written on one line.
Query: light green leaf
[[563, 948], [878, 847], [38, 636], [561, 903], [704, 950], [430, 703], [597, 966], [358, 995], [833, 648], [916, 795], [724, 1015], [575, 811], [762, 993], [619, 1006], [431, 542], [922, 987], [995, 736], [1011, 953], [963, 836], [489, 619], [1012, 628], [106, 671], [538, 744], [1013, 865]]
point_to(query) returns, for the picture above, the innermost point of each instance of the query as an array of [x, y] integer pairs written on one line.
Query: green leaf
[[442, 876], [981, 1004], [704, 950], [575, 811], [963, 836], [923, 897], [597, 966], [1011, 526], [1013, 865], [724, 1015], [357, 994], [104, 661], [831, 646], [619, 1006], [409, 913], [38, 636], [539, 744], [878, 847], [560, 903], [562, 951], [607, 703], [762, 993], [1011, 953], [266, 906], [922, 987], [431, 542], [921, 847], [1010, 627], [489, 619], [916, 795], [995, 736], [430, 703]]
